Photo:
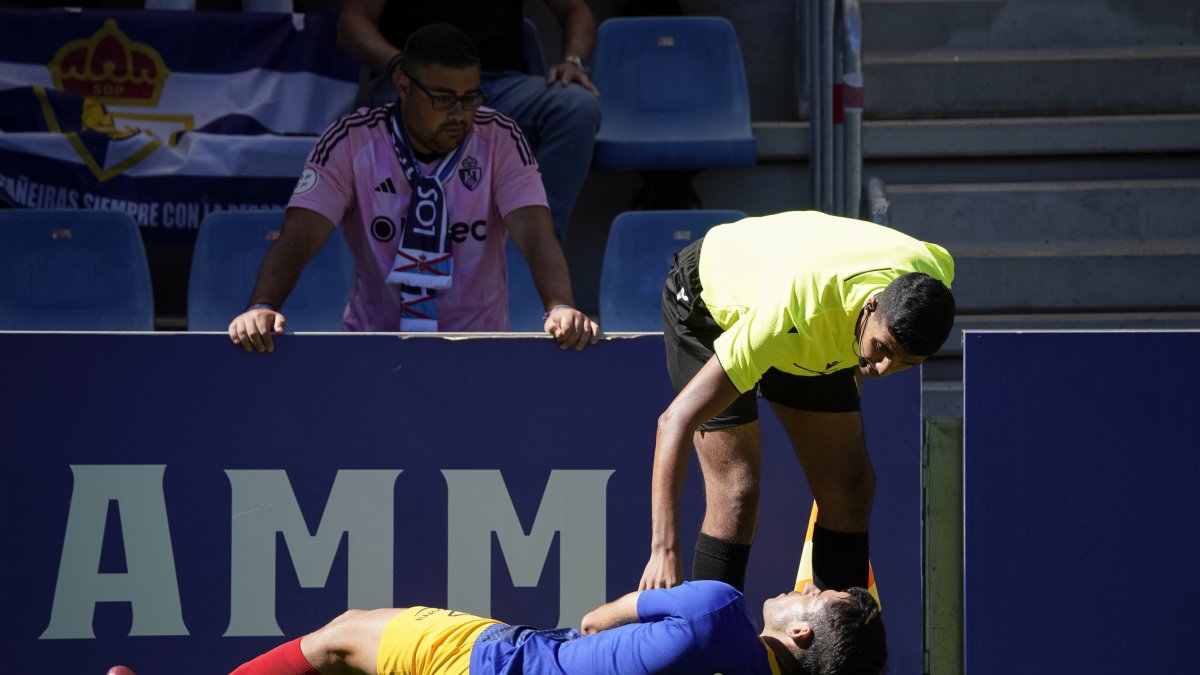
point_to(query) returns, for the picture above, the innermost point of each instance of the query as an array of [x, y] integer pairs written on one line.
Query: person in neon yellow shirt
[[799, 307]]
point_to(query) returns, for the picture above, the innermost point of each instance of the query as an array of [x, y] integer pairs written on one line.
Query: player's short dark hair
[[440, 44], [919, 312], [848, 638]]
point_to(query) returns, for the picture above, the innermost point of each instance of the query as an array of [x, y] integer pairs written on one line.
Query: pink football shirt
[[352, 177]]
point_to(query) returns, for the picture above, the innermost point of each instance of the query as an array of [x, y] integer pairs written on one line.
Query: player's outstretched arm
[[304, 233], [707, 394]]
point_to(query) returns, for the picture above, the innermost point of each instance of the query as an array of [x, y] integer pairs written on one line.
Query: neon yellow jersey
[[787, 289]]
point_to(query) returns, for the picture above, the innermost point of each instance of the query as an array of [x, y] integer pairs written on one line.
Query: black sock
[[839, 559], [720, 560]]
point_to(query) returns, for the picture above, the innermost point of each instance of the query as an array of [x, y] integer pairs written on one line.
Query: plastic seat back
[[673, 94], [229, 249], [73, 270], [524, 304], [636, 259]]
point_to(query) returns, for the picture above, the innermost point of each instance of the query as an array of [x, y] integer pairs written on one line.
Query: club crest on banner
[[469, 173], [117, 109], [108, 68]]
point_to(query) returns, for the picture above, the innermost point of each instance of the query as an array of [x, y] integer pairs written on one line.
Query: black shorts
[[689, 332]]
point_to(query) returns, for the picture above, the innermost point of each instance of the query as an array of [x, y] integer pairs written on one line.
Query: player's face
[[786, 608], [881, 350], [424, 90]]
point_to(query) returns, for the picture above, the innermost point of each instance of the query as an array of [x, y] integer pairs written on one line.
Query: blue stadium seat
[[73, 270], [636, 260], [535, 58], [229, 249], [673, 94], [525, 306]]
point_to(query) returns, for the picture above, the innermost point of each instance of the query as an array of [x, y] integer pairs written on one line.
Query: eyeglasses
[[445, 102]]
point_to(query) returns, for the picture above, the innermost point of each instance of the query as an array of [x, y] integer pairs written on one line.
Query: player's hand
[[664, 570], [571, 327], [567, 72], [252, 329]]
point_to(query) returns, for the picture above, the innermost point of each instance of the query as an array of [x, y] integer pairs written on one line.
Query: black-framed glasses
[[445, 102]]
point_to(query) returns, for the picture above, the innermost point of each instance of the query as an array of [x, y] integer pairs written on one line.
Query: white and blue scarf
[[424, 258]]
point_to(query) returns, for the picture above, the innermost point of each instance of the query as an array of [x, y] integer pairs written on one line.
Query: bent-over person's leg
[[731, 463], [727, 444], [832, 449]]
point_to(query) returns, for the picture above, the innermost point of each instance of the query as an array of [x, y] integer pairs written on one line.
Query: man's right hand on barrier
[[252, 329]]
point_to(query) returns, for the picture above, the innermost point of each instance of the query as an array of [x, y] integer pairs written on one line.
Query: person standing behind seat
[[559, 113], [426, 191]]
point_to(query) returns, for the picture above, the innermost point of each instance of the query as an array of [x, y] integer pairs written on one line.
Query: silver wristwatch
[[577, 61]]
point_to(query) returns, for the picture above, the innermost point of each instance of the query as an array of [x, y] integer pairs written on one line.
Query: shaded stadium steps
[[995, 58], [1080, 255], [1056, 246]]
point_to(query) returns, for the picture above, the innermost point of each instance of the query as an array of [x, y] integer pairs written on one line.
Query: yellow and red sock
[[804, 573]]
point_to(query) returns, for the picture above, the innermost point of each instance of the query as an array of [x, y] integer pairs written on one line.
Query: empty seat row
[[86, 270]]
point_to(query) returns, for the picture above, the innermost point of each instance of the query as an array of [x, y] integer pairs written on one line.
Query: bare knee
[[858, 484], [731, 476], [731, 495], [845, 503], [736, 488], [730, 460], [327, 647], [348, 616], [342, 645]]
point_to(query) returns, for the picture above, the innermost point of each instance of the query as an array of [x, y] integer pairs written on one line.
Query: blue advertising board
[[169, 499], [1082, 513]]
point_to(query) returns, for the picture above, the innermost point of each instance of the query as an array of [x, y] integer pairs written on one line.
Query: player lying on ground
[[698, 627]]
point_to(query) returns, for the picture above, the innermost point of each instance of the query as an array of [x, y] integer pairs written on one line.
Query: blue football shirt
[[699, 627]]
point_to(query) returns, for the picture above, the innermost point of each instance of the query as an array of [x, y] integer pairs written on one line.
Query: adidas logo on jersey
[[386, 186]]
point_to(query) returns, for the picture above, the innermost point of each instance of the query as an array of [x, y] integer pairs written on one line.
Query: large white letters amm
[[148, 583], [573, 505], [360, 506]]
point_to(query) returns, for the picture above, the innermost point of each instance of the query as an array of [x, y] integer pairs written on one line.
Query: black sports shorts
[[689, 332]]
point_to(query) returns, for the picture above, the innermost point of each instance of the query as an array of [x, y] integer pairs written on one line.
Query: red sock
[[286, 659]]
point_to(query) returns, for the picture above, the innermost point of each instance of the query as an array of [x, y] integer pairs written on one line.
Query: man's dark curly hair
[[849, 638], [439, 44], [919, 312]]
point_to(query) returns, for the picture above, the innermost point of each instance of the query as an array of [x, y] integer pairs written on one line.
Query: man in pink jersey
[[426, 191]]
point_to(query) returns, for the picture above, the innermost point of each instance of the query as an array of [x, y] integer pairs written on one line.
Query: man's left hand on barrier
[[571, 327]]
